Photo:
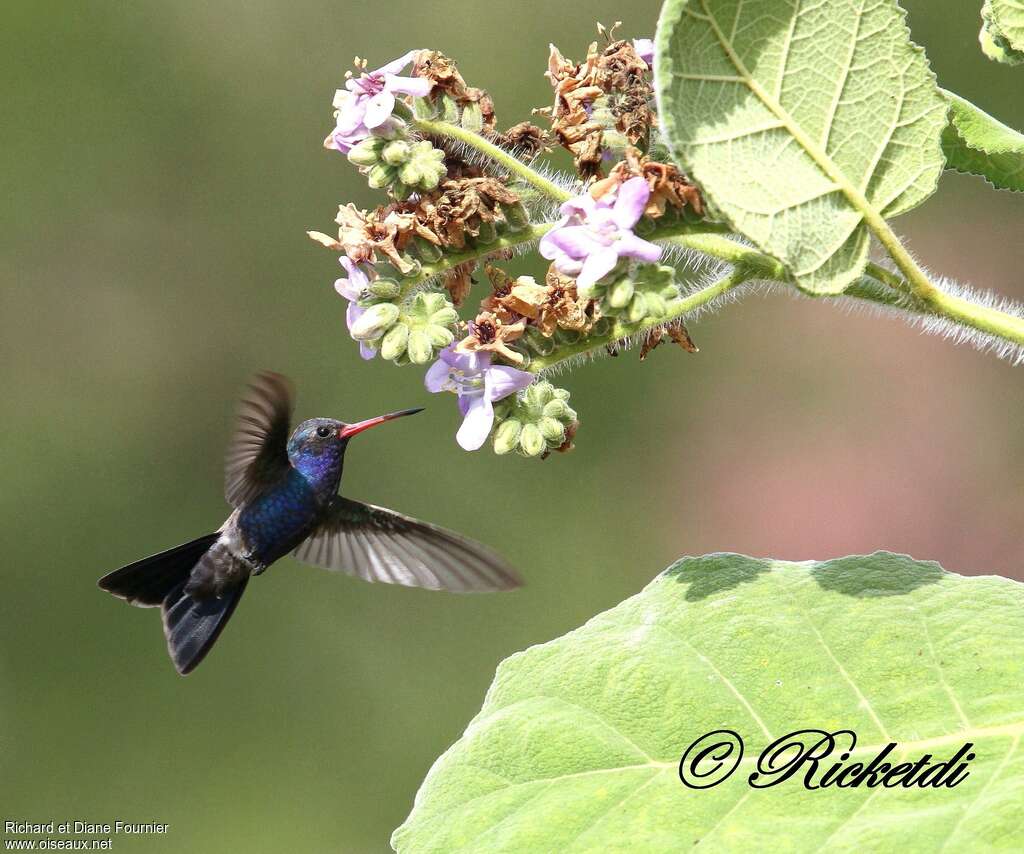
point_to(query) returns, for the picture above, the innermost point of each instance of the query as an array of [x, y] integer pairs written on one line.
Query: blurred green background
[[161, 163]]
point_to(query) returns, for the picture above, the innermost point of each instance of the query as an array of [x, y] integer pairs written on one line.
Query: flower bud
[[516, 216], [637, 308], [488, 233], [410, 173], [384, 288], [393, 344], [375, 321], [506, 436], [656, 306], [556, 408], [473, 117], [445, 316], [552, 430], [367, 152], [449, 109], [621, 293], [419, 348], [531, 441], [429, 252], [395, 153], [380, 176], [440, 336]]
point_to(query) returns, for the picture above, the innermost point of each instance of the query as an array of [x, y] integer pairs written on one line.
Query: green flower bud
[[410, 173], [556, 408], [656, 306], [473, 117], [431, 253], [637, 308], [535, 340], [516, 216], [401, 191], [393, 344], [375, 321], [380, 176], [423, 108], [621, 293], [445, 316], [552, 430], [531, 441], [440, 336], [431, 302], [449, 109], [395, 153], [384, 288], [419, 348], [506, 436], [367, 152], [488, 233]]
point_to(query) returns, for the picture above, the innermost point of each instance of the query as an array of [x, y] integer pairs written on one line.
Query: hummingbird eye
[[323, 431]]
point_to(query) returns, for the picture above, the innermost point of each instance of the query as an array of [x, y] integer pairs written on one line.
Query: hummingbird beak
[[350, 430]]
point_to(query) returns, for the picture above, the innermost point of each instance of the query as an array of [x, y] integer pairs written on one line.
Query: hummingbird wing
[[258, 454], [376, 544]]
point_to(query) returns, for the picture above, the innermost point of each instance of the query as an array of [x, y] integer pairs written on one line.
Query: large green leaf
[[804, 123], [978, 144], [1002, 31], [577, 745]]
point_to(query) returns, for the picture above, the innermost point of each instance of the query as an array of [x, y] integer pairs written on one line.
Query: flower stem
[[498, 155]]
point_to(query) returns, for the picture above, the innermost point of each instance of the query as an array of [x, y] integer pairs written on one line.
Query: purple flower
[[367, 101], [645, 50], [352, 288], [595, 233], [478, 384]]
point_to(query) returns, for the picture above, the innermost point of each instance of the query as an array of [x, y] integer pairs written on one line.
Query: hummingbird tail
[[147, 582], [192, 626]]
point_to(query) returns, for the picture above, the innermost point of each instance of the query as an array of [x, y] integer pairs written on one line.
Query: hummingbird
[[284, 493]]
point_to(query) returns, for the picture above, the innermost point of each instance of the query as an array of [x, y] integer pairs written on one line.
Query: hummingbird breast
[[275, 522]]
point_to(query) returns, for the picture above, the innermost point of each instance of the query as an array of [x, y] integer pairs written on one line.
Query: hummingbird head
[[317, 446]]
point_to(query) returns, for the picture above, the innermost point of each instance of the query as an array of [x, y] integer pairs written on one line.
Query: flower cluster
[[462, 197]]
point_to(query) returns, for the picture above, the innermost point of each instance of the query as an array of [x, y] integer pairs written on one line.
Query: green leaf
[[978, 144], [1002, 31], [804, 123], [578, 742]]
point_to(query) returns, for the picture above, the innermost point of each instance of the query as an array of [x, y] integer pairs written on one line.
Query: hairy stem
[[498, 155]]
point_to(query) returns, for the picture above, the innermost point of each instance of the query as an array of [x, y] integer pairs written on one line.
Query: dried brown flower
[[458, 281], [460, 206], [488, 333], [362, 235], [675, 331], [616, 77], [524, 137], [668, 185]]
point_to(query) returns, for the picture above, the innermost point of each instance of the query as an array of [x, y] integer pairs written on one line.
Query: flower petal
[[636, 247], [378, 109], [576, 241], [396, 65], [436, 378], [501, 381], [645, 50], [476, 426], [353, 313], [367, 350], [631, 201], [597, 266], [418, 86]]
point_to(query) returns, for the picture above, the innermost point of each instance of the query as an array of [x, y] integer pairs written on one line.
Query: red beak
[[350, 430]]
